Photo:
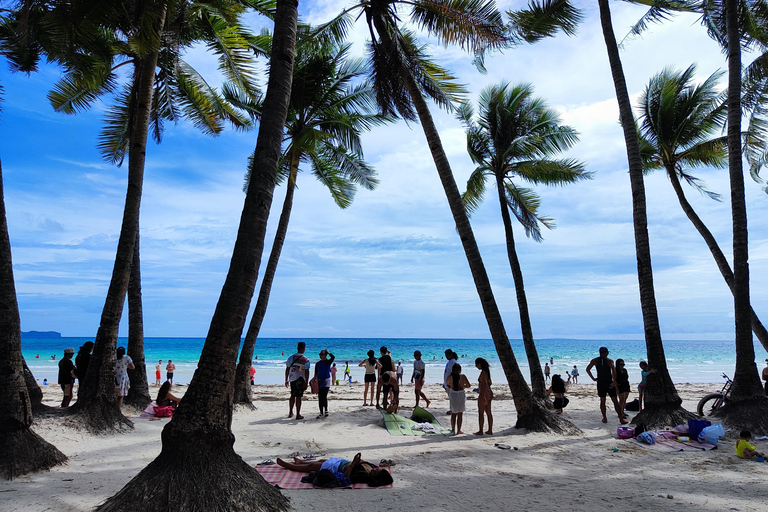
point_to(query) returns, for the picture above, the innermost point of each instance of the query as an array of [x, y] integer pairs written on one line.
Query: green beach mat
[[398, 425]]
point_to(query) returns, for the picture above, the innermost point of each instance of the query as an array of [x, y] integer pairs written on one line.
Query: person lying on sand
[[357, 471]]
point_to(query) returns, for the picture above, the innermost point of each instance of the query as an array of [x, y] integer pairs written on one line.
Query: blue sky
[[391, 265]]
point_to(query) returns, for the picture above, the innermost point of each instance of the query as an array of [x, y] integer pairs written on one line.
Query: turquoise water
[[688, 361]]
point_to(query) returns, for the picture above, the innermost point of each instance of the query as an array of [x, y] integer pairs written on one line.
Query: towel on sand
[[400, 425], [286, 479]]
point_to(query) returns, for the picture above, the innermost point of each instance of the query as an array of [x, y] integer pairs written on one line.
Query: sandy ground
[[465, 472]]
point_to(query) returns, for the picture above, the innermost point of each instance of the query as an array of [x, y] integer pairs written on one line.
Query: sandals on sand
[[386, 462], [266, 462]]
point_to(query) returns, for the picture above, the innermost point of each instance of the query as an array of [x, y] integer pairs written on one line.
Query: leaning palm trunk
[[97, 404], [198, 468], [748, 407], [662, 403], [243, 393], [717, 254], [538, 385], [21, 450], [531, 414], [138, 394]]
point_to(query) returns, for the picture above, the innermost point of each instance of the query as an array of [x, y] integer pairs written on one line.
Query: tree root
[[98, 417], [662, 416], [23, 452], [197, 475], [750, 414], [543, 420]]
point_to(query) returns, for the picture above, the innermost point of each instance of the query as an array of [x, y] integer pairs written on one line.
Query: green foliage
[[544, 18], [513, 137]]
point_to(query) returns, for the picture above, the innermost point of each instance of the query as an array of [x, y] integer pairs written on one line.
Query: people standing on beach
[[558, 389], [644, 373], [347, 372], [82, 361], [371, 366], [390, 385], [158, 368], [622, 386], [417, 377], [323, 376], [765, 376], [385, 365], [484, 396], [546, 372], [568, 373], [606, 382], [575, 374], [399, 371], [67, 376], [456, 383], [123, 363], [253, 374], [297, 377], [451, 359], [169, 369]]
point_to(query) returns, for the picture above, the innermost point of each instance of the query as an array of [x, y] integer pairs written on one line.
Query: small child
[[644, 372], [744, 449], [575, 374]]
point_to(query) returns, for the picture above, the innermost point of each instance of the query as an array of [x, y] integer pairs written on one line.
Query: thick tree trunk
[[531, 413], [138, 394], [198, 469], [722, 262], [662, 403], [35, 393], [538, 385], [243, 394], [21, 450], [96, 406], [748, 407]]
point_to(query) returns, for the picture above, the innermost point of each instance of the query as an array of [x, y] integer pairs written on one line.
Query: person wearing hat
[[417, 378], [765, 376], [67, 376]]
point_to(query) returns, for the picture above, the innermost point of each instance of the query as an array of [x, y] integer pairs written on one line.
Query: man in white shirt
[[297, 377]]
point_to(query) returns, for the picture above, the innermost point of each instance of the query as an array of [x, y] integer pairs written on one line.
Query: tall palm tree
[[678, 123], [513, 139], [198, 468], [329, 110], [22, 451], [149, 37], [402, 78]]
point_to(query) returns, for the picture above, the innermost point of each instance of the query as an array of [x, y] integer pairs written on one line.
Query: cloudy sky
[[391, 265]]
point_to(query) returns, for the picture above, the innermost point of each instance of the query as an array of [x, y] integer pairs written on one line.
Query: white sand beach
[[465, 472]]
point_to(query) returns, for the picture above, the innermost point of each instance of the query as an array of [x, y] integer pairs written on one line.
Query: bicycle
[[713, 401]]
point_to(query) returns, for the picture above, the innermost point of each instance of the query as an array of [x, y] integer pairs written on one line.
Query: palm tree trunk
[[138, 394], [198, 468], [748, 407], [96, 402], [531, 413], [663, 404], [722, 262], [35, 393], [538, 385], [21, 450], [243, 393]]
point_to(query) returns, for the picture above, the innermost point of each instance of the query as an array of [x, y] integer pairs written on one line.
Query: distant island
[[40, 334]]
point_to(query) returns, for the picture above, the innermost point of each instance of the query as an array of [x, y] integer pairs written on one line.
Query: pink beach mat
[[286, 479]]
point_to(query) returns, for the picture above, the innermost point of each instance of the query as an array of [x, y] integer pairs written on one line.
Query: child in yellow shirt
[[744, 449]]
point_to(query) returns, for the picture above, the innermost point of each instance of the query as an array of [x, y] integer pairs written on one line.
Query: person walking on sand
[[169, 369], [371, 365], [451, 358], [485, 396], [547, 371], [297, 377], [399, 371], [456, 383], [158, 368], [123, 363], [417, 378], [347, 372], [385, 365], [67, 376], [323, 376], [606, 382]]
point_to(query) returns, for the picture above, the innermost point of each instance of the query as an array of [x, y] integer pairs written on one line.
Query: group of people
[[169, 369], [385, 376], [455, 382], [297, 378], [70, 370], [573, 375]]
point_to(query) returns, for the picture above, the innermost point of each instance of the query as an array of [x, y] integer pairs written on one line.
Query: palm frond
[[475, 193], [524, 204], [698, 185], [76, 92], [550, 172], [544, 18], [115, 135]]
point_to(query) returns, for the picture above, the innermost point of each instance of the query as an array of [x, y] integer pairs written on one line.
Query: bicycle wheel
[[709, 403]]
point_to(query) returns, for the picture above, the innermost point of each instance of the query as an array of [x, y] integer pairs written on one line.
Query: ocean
[[688, 361]]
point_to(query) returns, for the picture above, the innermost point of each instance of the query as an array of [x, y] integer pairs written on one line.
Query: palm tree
[[198, 468], [326, 116], [514, 136], [402, 76], [149, 37], [22, 451]]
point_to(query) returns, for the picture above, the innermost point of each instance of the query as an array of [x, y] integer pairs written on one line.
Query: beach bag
[[648, 437], [696, 426], [625, 432], [633, 406], [712, 434], [164, 412]]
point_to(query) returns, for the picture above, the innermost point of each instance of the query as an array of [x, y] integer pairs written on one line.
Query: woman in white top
[[456, 383], [123, 363], [371, 367]]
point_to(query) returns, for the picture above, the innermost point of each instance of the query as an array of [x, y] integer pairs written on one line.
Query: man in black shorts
[[297, 376], [386, 366], [389, 384], [606, 382]]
